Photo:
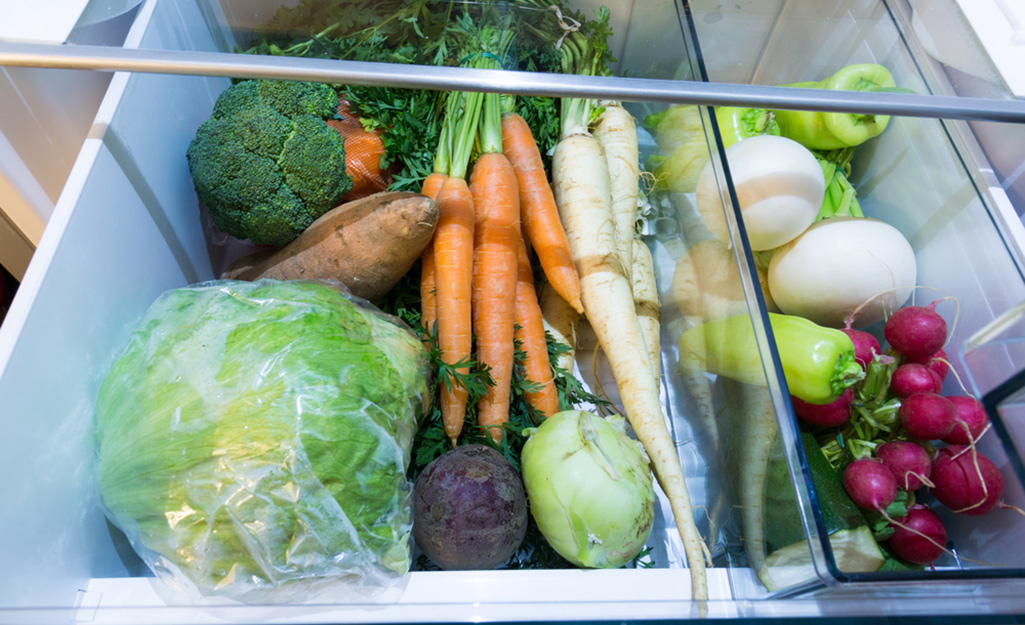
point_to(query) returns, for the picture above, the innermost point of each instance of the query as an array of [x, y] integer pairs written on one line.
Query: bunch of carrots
[[476, 276]]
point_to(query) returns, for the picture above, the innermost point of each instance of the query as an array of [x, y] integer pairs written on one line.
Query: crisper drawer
[[128, 227], [927, 178]]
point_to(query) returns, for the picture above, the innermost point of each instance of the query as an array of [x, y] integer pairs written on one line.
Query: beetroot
[[826, 415], [869, 484], [966, 481], [927, 416], [866, 346], [469, 509], [916, 331], [908, 461], [937, 363], [970, 413], [909, 379], [918, 537]]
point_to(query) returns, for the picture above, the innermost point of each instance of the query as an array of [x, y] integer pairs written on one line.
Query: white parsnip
[[696, 297], [706, 285], [583, 196], [617, 133], [649, 311], [752, 420]]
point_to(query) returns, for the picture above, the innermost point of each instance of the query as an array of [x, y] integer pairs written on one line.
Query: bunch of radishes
[[906, 456]]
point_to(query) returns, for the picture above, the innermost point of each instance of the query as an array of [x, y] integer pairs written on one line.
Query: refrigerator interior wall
[[126, 243], [982, 42], [47, 115]]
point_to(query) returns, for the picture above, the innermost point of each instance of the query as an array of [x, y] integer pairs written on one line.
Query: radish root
[[1010, 507], [854, 313], [933, 541], [982, 480], [921, 478]]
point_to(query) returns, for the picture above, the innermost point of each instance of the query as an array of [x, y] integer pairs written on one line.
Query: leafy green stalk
[[585, 52], [840, 199]]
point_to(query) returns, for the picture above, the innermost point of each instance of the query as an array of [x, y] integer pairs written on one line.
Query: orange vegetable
[[495, 274], [453, 266], [428, 302], [538, 210], [530, 331], [363, 153]]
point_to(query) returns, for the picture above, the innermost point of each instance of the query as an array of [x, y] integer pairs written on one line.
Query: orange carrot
[[454, 261], [530, 331], [538, 211], [428, 300], [495, 273]]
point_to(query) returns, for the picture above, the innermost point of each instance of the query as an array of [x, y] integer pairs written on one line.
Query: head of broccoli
[[266, 164]]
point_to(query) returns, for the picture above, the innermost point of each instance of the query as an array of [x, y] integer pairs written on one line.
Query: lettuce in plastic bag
[[254, 437]]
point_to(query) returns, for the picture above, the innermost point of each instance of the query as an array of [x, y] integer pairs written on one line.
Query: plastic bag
[[253, 440]]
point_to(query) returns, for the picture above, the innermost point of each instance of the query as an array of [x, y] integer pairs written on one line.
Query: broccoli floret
[[266, 164]]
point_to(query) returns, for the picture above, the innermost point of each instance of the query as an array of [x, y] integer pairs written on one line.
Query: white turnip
[[918, 537], [966, 481], [908, 461], [927, 416], [916, 332], [779, 187], [840, 265]]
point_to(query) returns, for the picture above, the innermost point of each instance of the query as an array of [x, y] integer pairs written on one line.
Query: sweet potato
[[367, 244]]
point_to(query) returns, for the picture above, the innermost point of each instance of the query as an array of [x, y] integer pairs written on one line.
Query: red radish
[[970, 413], [869, 484], [866, 346], [937, 363], [927, 416], [966, 481], [826, 415], [909, 379], [919, 537], [916, 331], [908, 461]]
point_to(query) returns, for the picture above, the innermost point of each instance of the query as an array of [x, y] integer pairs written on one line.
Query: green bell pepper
[[736, 123], [680, 135], [829, 131], [818, 362]]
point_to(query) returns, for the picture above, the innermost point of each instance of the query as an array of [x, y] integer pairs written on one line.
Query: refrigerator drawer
[[127, 228]]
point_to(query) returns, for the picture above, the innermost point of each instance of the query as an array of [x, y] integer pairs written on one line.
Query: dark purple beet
[[469, 509]]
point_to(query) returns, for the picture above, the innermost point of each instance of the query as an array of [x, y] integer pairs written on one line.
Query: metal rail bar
[[101, 58]]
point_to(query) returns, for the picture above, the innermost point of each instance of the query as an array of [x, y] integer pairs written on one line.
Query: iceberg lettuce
[[255, 437]]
